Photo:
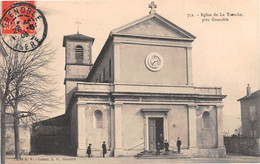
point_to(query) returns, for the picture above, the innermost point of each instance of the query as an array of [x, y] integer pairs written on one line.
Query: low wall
[[25, 137], [51, 144], [241, 145], [51, 136]]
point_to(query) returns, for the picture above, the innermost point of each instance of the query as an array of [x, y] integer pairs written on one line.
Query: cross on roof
[[78, 26], [153, 6]]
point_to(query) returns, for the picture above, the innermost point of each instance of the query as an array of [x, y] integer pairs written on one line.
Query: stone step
[[153, 155], [165, 157], [148, 155]]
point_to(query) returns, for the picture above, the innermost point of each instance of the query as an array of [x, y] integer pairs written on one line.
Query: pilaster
[[166, 126], [189, 66], [81, 150], [112, 127], [219, 110], [192, 126], [118, 128], [192, 119], [146, 132]]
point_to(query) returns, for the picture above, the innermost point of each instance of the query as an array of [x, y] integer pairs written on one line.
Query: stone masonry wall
[[25, 139], [240, 145]]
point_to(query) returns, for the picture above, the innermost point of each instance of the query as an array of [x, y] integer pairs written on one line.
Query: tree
[[27, 87], [3, 91]]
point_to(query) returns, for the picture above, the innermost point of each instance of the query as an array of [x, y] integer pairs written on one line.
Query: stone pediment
[[153, 25]]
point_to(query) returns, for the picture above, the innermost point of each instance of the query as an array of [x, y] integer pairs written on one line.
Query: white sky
[[225, 54]]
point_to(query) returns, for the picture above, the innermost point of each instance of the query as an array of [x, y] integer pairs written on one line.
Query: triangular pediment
[[154, 25]]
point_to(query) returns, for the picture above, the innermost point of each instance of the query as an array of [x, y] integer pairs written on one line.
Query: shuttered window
[[79, 54]]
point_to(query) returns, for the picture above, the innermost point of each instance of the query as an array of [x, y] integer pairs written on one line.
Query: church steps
[[153, 155]]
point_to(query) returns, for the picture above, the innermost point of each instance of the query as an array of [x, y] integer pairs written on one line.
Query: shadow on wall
[[51, 136]]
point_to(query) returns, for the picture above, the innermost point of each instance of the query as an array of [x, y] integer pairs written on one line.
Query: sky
[[224, 54]]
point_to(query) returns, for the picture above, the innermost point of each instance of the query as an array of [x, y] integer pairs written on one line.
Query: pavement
[[61, 159]]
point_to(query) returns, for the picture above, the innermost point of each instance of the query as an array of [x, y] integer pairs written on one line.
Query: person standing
[[166, 146], [158, 149], [104, 148], [89, 150], [161, 142], [179, 145]]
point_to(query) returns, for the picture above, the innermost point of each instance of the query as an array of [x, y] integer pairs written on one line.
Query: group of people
[[161, 144], [164, 144], [104, 149]]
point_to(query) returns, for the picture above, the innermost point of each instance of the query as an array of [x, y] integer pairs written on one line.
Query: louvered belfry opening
[[79, 54]]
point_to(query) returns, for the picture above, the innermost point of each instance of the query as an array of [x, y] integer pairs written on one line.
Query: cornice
[[157, 41]]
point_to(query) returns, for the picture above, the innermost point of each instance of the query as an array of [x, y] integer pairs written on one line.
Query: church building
[[140, 87]]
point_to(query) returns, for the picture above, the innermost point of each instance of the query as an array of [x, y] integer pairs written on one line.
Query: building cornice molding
[[73, 79], [80, 64], [125, 39]]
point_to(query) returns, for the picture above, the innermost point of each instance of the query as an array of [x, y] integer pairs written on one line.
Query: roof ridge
[[154, 15], [77, 36], [250, 96]]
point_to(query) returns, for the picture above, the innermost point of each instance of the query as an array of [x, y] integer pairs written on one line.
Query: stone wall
[[134, 70], [206, 136], [25, 138], [97, 131], [241, 145], [132, 128], [178, 126], [74, 129], [70, 52]]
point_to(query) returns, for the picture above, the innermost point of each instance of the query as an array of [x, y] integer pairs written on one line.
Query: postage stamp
[[23, 27]]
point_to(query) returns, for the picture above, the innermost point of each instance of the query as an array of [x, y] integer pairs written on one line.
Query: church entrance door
[[155, 132]]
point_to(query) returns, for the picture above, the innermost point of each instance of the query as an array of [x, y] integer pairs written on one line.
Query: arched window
[[79, 53], [98, 119], [206, 119]]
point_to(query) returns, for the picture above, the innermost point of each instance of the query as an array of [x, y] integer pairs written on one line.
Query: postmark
[[23, 27]]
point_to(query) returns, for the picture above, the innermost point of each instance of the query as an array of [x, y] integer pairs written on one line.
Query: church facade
[[140, 87]]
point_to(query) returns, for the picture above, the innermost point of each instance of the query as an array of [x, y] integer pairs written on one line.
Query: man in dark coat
[[89, 150], [166, 146], [179, 145], [104, 147], [158, 148], [161, 142]]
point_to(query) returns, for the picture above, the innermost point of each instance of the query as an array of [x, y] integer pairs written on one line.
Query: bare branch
[[25, 81]]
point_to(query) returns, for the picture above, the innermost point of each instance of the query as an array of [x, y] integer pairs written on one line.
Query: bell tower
[[78, 61]]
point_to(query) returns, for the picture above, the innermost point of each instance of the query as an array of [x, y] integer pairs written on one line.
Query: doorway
[[155, 132]]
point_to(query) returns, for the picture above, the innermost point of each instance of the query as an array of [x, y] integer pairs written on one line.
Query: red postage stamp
[[23, 26], [17, 20]]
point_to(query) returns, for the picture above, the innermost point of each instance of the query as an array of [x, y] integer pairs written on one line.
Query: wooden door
[[152, 134]]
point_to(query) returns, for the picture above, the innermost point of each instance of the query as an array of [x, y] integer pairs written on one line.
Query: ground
[[59, 159]]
